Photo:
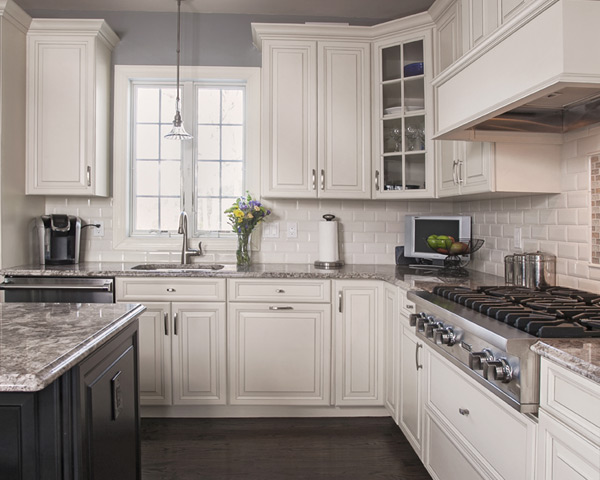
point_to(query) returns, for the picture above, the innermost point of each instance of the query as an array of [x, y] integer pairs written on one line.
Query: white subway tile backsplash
[[567, 216], [579, 234], [557, 233]]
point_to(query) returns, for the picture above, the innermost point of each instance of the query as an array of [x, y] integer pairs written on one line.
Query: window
[[220, 108]]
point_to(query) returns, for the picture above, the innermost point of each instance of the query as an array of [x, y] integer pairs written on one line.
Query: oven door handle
[[106, 287]]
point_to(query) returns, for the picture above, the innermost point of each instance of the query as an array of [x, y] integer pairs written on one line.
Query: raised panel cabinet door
[[563, 454], [289, 124], [411, 369], [359, 365], [447, 168], [155, 354], [480, 18], [279, 354], [391, 314], [447, 38], [199, 359], [476, 167], [60, 78], [344, 110]]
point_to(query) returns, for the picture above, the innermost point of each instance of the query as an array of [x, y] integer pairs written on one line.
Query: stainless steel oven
[[58, 289]]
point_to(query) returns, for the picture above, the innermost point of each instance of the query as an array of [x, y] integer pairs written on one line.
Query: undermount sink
[[171, 267]]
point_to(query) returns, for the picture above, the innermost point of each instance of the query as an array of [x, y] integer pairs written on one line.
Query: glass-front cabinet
[[403, 150]]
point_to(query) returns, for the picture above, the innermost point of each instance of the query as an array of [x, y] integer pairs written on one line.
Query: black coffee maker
[[59, 239]]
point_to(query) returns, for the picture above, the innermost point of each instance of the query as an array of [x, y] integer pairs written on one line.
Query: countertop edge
[[47, 375], [567, 360]]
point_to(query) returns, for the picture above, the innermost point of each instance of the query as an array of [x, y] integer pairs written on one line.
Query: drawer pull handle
[[463, 411], [417, 356], [171, 290], [175, 324], [273, 307], [166, 318], [279, 290], [340, 301]]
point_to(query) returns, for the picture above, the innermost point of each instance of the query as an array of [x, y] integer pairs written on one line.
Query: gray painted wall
[[207, 39]]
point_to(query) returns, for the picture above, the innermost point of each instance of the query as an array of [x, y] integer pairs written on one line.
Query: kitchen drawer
[[571, 398], [406, 306], [278, 290], [170, 289], [478, 417]]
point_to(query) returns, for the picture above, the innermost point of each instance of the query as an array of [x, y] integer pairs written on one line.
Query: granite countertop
[[581, 355], [41, 341], [397, 275]]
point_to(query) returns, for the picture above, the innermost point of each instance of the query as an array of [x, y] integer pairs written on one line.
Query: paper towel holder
[[329, 265]]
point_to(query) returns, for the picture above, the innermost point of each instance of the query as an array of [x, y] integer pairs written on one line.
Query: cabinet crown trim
[[68, 26], [11, 12]]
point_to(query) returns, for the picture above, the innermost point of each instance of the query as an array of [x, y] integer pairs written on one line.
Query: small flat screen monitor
[[419, 227]]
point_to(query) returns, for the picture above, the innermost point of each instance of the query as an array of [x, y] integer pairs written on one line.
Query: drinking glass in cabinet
[[392, 136], [415, 133]]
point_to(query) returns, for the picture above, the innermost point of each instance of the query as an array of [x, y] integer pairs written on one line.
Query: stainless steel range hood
[[540, 75]]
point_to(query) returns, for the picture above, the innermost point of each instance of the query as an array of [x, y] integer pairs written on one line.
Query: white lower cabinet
[[469, 432], [569, 425], [181, 344], [391, 312], [411, 373], [359, 345], [280, 351]]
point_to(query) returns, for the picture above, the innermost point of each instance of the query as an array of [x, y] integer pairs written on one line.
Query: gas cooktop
[[555, 312]]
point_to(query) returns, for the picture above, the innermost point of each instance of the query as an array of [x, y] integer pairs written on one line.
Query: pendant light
[[178, 132]]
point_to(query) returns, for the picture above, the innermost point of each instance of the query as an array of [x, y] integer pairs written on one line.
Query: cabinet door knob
[[279, 290], [322, 179], [171, 290], [463, 411], [376, 179], [314, 179]]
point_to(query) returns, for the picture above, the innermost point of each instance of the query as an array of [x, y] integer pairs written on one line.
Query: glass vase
[[242, 253]]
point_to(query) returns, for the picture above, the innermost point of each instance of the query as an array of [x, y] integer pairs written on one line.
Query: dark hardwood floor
[[277, 448]]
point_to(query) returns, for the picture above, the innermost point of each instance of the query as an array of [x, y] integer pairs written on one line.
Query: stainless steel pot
[[540, 270], [519, 276], [509, 269]]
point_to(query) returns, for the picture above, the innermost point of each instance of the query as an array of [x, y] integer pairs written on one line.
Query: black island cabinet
[[84, 425]]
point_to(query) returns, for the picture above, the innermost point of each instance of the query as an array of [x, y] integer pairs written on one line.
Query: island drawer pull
[[279, 290], [171, 290], [273, 307]]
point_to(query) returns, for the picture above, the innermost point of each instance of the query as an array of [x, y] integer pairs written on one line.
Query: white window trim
[[124, 74]]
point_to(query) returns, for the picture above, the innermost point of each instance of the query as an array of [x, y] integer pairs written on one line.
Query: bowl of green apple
[[456, 251]]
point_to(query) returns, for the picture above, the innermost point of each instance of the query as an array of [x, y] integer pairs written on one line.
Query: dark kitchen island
[[69, 391]]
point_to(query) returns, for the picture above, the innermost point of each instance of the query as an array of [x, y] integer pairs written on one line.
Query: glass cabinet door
[[402, 122]]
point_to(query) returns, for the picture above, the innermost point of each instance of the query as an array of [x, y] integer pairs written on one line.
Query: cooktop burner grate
[[556, 312]]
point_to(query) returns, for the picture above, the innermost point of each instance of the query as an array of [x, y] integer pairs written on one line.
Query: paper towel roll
[[328, 242]]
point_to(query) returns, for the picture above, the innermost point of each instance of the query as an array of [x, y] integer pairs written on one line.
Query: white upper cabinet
[[316, 115], [466, 168], [403, 153], [68, 95]]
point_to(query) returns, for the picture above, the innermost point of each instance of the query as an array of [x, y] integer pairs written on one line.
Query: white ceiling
[[368, 9]]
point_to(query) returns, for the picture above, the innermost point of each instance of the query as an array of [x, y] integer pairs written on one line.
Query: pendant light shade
[[178, 132]]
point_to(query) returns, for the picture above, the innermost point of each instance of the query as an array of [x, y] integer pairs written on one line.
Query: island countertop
[[41, 341]]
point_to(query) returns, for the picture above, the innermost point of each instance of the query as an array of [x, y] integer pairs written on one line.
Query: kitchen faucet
[[186, 252]]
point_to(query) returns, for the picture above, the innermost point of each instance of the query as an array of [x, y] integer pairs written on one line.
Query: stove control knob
[[414, 317], [445, 336], [422, 321], [498, 370], [430, 328], [476, 358]]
